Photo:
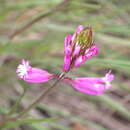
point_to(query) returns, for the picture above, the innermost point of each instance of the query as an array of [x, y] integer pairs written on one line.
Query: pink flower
[[79, 48], [32, 75], [92, 85]]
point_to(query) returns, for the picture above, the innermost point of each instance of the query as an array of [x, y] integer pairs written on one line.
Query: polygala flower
[[31, 74], [78, 48], [91, 85]]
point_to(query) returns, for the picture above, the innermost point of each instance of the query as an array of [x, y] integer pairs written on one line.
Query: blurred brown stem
[[41, 97], [51, 11], [37, 101]]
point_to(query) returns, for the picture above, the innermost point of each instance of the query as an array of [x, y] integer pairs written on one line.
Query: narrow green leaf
[[29, 121]]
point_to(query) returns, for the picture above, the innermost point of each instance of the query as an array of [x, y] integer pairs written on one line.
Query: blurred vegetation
[[42, 45]]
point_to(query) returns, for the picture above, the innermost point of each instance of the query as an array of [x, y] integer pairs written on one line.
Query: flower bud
[[78, 48]]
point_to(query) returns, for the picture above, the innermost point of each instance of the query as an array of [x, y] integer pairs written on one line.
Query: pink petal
[[76, 50], [37, 75], [67, 61], [93, 51], [90, 85], [67, 45], [80, 60], [79, 29], [109, 77]]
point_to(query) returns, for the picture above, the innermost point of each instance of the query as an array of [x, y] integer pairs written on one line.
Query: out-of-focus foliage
[[42, 45]]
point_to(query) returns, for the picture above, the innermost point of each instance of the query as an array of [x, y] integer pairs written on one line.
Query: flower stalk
[[42, 97], [34, 104]]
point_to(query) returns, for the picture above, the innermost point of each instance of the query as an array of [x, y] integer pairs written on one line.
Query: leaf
[[29, 121]]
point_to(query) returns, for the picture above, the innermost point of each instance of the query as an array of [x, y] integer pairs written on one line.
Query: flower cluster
[[78, 48]]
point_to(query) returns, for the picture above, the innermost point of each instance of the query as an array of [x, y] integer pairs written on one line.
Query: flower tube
[[31, 74], [91, 85]]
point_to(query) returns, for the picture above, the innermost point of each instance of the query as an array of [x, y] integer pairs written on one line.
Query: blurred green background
[[42, 45]]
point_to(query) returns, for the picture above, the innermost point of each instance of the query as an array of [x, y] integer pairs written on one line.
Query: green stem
[[14, 107], [42, 97]]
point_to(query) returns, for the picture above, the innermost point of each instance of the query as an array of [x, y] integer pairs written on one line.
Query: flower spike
[[79, 48]]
